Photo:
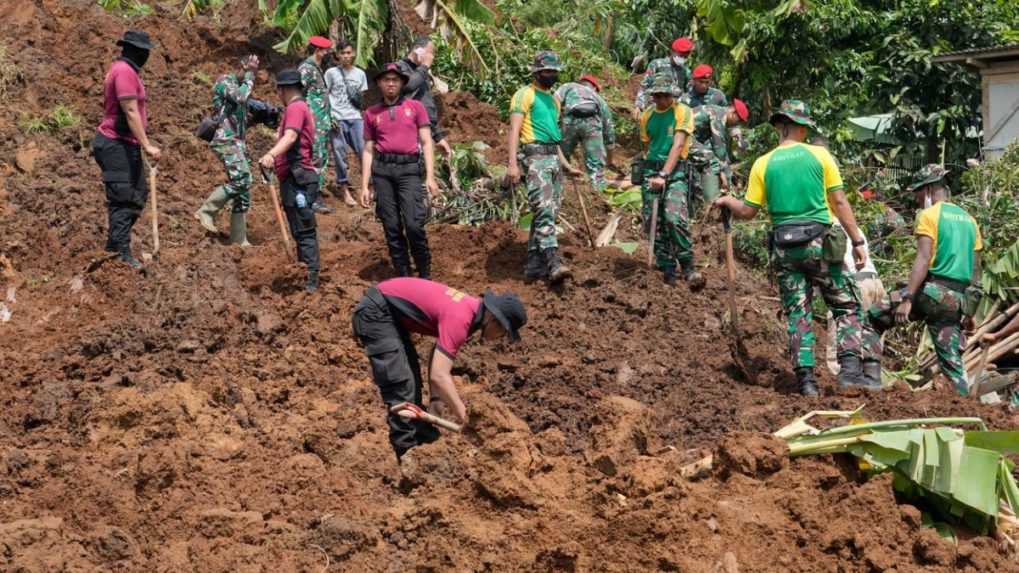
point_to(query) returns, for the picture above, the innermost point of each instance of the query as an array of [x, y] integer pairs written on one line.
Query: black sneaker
[[669, 275], [131, 261], [320, 207], [312, 284]]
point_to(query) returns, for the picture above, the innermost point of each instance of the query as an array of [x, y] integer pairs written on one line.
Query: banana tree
[[367, 21], [450, 18]]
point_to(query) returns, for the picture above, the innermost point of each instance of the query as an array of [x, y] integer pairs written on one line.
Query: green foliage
[[201, 77], [127, 8], [9, 72], [473, 194], [194, 7], [59, 118]]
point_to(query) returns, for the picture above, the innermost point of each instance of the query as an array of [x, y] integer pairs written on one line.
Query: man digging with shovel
[[383, 321]]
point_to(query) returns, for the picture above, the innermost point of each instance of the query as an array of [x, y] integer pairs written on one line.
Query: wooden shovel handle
[[422, 414]]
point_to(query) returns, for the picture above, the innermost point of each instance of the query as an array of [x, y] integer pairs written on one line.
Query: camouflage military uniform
[[595, 131], [673, 240], [231, 95], [713, 96], [680, 77], [709, 155], [316, 93]]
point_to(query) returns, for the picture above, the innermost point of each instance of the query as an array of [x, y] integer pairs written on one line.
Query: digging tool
[[269, 179], [413, 411], [583, 209], [651, 238], [736, 346], [155, 204]]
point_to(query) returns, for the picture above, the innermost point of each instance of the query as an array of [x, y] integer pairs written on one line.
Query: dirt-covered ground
[[209, 416]]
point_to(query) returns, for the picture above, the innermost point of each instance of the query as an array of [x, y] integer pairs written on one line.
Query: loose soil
[[207, 415]]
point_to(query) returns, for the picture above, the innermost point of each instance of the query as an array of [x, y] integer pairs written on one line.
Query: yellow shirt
[[956, 238], [793, 182]]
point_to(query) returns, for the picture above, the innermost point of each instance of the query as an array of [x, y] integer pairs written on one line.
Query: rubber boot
[[239, 229], [872, 375], [536, 268], [851, 371], [669, 274], [805, 378], [312, 284], [557, 271], [207, 212]]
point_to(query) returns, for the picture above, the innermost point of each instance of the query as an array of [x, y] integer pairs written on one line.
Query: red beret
[[591, 80], [682, 45], [320, 42], [702, 71], [741, 109]]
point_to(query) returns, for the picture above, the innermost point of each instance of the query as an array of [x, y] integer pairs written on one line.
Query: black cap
[[288, 77], [137, 39], [508, 310], [395, 68]]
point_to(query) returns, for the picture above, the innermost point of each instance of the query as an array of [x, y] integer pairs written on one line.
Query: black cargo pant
[[126, 188], [400, 205], [395, 368], [301, 220]]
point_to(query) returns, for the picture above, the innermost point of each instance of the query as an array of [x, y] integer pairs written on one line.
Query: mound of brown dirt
[[209, 416]]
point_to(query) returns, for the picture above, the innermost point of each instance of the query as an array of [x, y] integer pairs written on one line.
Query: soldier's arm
[[238, 93], [924, 246], [416, 79], [678, 142]]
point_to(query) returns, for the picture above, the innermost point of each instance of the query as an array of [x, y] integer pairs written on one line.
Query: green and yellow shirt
[[956, 238], [540, 109], [657, 129], [793, 182]]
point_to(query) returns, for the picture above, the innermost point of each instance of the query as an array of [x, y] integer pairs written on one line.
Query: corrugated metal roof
[[978, 53]]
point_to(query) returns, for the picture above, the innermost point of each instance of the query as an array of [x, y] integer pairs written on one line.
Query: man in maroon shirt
[[393, 309], [119, 141], [396, 133], [291, 157]]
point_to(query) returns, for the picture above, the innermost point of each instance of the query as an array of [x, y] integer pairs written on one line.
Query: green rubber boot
[[239, 229], [207, 212]]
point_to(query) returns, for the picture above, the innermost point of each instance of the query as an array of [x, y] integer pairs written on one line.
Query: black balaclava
[[135, 55], [546, 81]]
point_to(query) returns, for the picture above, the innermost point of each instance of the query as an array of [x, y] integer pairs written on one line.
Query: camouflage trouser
[[673, 240], [320, 147], [872, 291], [588, 131], [940, 308], [706, 182], [800, 269], [238, 173], [545, 196]]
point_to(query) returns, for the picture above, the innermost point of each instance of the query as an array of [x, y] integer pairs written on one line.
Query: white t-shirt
[[356, 79], [850, 262]]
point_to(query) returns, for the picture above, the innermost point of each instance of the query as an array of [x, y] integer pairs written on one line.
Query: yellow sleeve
[[979, 245], [757, 193], [684, 118], [644, 117], [832, 177], [927, 223], [522, 101]]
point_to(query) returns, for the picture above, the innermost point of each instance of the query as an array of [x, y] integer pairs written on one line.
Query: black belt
[[397, 158], [659, 165], [540, 149], [582, 113], [957, 286]]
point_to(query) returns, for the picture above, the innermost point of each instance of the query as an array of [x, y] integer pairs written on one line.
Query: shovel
[[155, 205], [736, 346], [269, 179], [583, 209], [413, 411], [651, 237]]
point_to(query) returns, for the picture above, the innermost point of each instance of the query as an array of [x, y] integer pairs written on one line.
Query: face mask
[[926, 200], [547, 81], [137, 56], [678, 60]]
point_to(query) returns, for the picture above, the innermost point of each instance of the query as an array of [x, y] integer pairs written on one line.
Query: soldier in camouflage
[[700, 91], [943, 289], [801, 188], [316, 93], [673, 67], [534, 140], [230, 97], [709, 155], [666, 130], [587, 120]]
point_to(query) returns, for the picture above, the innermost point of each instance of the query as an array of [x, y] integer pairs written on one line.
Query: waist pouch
[[971, 300], [540, 149], [304, 176], [584, 110], [398, 158], [797, 234], [833, 249]]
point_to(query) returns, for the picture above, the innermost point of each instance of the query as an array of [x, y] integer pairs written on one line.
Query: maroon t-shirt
[[297, 117], [121, 83], [432, 309], [394, 129]]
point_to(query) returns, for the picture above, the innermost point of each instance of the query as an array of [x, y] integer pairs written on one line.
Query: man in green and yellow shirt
[[666, 130], [534, 140], [801, 188], [943, 289]]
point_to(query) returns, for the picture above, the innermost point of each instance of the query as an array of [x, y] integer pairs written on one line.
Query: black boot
[[693, 278], [805, 378], [872, 375], [669, 274], [425, 271], [536, 268], [312, 284], [850, 371], [130, 261], [557, 271]]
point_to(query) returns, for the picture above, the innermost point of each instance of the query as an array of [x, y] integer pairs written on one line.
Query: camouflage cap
[[928, 174], [795, 111], [662, 84], [546, 60]]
